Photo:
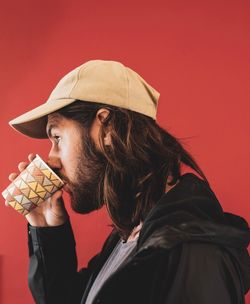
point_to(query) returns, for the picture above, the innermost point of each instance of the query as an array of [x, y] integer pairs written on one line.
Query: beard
[[86, 191]]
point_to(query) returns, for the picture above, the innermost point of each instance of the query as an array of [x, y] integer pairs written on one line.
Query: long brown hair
[[141, 157]]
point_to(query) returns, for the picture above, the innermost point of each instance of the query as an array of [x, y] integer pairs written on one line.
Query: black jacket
[[189, 251]]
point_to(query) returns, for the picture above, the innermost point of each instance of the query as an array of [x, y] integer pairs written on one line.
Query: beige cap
[[102, 81]]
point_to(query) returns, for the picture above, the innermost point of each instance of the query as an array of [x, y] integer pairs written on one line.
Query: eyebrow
[[49, 129]]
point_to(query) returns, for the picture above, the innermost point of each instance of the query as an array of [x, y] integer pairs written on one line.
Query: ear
[[101, 115]]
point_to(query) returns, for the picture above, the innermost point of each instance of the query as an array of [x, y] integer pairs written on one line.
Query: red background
[[195, 53]]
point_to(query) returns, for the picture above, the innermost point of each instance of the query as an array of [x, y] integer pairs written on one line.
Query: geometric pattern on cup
[[33, 186], [18, 207]]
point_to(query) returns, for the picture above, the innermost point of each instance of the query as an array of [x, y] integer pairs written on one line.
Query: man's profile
[[171, 242]]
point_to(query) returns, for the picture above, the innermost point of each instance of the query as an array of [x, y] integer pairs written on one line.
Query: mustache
[[63, 177]]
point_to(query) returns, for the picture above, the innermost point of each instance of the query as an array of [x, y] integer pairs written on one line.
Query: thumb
[[56, 199], [57, 203], [57, 196]]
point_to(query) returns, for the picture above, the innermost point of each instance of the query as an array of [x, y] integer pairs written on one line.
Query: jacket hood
[[190, 211]]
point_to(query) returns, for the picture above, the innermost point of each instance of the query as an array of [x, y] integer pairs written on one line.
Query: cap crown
[[108, 82]]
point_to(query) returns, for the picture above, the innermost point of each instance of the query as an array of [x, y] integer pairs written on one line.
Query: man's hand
[[51, 212]]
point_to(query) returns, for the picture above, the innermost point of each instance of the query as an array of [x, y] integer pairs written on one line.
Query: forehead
[[60, 122], [54, 120]]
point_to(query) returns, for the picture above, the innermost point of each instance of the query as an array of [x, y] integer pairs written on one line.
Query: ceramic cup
[[36, 183]]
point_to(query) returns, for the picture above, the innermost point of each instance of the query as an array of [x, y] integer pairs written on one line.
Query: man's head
[[75, 156]]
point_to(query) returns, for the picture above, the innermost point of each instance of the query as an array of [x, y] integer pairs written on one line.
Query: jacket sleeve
[[53, 276], [203, 273]]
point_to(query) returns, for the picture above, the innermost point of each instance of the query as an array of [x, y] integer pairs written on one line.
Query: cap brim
[[33, 123]]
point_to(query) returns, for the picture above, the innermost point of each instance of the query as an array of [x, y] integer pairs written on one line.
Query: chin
[[84, 207]]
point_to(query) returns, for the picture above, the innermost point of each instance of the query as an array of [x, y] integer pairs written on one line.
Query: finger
[[31, 156], [22, 166], [56, 200], [58, 206], [6, 204], [57, 196], [12, 176]]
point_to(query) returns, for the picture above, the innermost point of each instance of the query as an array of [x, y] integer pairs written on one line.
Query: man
[[171, 241]]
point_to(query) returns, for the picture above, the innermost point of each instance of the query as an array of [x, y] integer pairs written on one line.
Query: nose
[[54, 160]]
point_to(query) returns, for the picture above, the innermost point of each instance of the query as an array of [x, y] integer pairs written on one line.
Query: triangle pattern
[[18, 207], [29, 206], [34, 200], [43, 166], [21, 210], [53, 177], [24, 175], [18, 182], [40, 201], [55, 189], [57, 183], [30, 178], [18, 198], [25, 200], [32, 194], [23, 185], [9, 197], [49, 188], [16, 192], [39, 179], [37, 162], [39, 188], [33, 185], [46, 182], [11, 189], [26, 191], [42, 194], [12, 204], [31, 168], [37, 171], [47, 172]]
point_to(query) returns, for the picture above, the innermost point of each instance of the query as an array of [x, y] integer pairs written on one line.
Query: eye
[[56, 138]]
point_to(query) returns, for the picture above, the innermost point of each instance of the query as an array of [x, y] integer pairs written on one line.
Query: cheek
[[69, 159]]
